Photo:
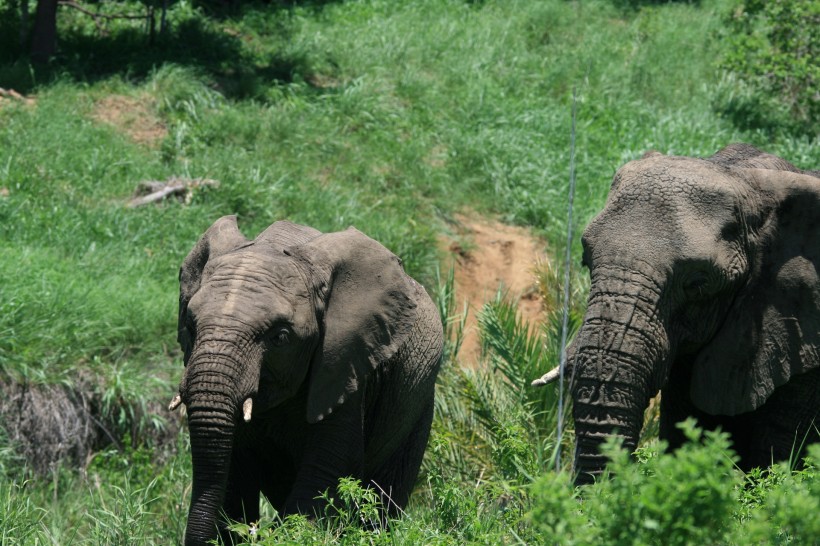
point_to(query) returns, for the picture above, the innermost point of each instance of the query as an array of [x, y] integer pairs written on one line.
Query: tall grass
[[22, 521]]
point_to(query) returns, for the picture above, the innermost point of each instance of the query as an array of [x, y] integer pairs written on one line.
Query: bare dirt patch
[[10, 96], [133, 116], [488, 255]]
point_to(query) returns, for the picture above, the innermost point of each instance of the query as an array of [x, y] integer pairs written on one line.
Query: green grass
[[392, 116]]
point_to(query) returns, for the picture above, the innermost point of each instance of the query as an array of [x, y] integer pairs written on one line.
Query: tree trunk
[[23, 23], [44, 35]]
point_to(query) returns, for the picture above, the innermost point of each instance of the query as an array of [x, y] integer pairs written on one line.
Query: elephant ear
[[369, 309], [222, 237], [772, 331], [747, 156]]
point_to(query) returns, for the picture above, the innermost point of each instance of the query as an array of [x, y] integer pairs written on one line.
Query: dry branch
[[53, 425], [153, 191]]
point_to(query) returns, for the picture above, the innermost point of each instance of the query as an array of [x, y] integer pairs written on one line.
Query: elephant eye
[[281, 336], [696, 284]]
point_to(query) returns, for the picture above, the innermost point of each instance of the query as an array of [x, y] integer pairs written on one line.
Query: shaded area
[[201, 43], [638, 4]]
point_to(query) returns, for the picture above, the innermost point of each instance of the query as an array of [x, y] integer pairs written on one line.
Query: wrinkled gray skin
[[338, 351], [704, 285]]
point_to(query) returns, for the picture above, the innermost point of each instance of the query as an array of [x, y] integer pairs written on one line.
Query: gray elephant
[[704, 285], [309, 357]]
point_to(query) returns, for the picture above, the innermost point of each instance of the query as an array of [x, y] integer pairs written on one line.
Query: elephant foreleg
[[242, 495], [334, 449], [277, 480], [397, 476], [786, 423]]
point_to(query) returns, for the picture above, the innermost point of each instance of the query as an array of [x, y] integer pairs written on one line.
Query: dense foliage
[[389, 115], [774, 51]]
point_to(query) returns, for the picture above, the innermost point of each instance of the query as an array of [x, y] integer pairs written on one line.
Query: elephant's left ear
[[772, 331], [369, 313]]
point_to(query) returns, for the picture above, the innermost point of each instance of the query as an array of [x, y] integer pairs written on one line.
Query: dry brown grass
[[51, 425], [133, 116]]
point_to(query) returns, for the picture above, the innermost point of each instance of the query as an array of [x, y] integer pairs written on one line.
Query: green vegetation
[[391, 116], [773, 53]]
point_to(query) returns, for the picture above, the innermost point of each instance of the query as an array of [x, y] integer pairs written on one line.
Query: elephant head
[[294, 310], [702, 268]]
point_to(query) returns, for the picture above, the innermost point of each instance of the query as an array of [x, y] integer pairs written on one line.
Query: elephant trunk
[[214, 398], [620, 360], [603, 410], [211, 450]]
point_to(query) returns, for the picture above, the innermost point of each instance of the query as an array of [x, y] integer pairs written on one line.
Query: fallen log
[[153, 191]]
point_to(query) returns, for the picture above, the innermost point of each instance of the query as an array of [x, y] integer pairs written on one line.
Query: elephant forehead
[[669, 200], [686, 183], [246, 285]]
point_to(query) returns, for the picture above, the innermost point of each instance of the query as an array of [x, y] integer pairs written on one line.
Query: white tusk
[[175, 403], [547, 378], [247, 408]]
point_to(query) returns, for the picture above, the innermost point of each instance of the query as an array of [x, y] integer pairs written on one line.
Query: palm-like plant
[[490, 421]]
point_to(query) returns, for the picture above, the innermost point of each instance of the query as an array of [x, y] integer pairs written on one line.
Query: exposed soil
[[488, 255], [134, 116], [10, 96]]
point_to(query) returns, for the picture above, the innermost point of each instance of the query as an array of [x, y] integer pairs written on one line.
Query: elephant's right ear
[[222, 237], [746, 156], [772, 331], [368, 308]]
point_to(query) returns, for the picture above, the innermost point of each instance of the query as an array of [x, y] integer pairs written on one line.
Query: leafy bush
[[787, 504], [774, 47], [680, 498], [557, 515]]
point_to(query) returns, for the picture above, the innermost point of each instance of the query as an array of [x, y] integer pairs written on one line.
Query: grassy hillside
[[388, 115]]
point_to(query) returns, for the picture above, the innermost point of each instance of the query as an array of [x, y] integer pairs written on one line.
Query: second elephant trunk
[[620, 360], [601, 411]]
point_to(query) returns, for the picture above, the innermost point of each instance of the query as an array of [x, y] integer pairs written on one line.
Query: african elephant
[[308, 357], [704, 285]]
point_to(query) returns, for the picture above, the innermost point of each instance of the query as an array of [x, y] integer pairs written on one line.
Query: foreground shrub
[[684, 497], [557, 515], [694, 495], [680, 498], [787, 505]]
